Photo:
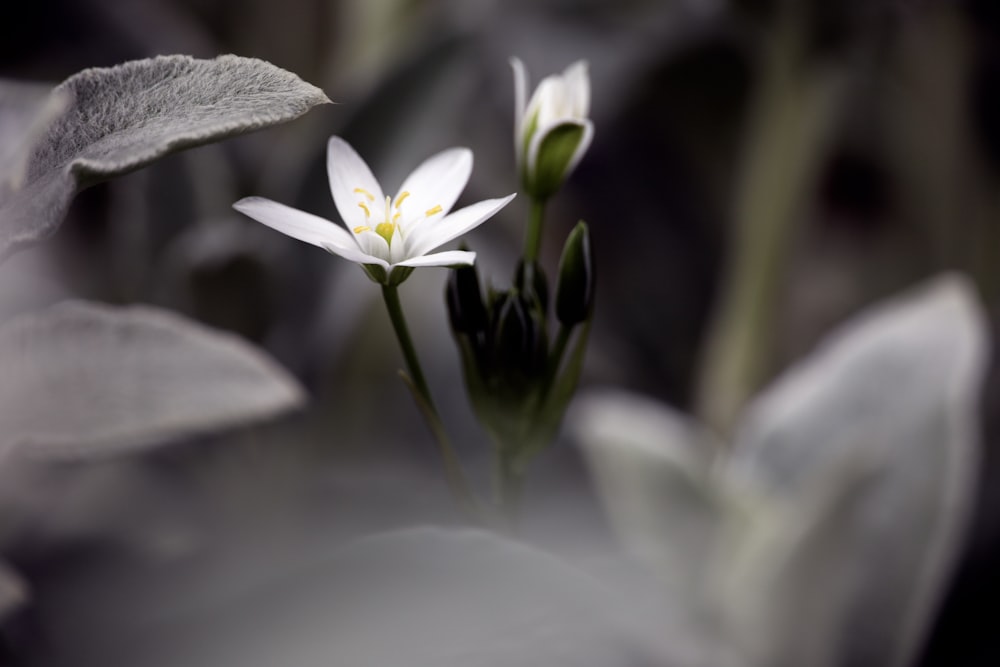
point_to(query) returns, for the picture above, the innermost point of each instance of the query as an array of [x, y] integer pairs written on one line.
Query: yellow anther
[[362, 228], [385, 230], [368, 213], [397, 216], [431, 211], [362, 191], [402, 195]]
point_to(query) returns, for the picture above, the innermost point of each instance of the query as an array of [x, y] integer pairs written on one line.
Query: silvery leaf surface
[[652, 466], [26, 111], [891, 398], [84, 379], [421, 596], [121, 118]]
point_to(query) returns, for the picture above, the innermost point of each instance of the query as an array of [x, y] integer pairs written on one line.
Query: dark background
[[906, 186]]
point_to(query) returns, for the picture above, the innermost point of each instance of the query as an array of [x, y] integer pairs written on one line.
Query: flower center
[[391, 215]]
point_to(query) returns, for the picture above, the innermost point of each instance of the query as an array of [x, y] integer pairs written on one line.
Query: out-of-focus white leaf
[[84, 379], [652, 466], [778, 591], [13, 591], [894, 390], [420, 597], [121, 118]]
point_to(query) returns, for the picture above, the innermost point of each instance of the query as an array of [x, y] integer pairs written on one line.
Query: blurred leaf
[[419, 597], [894, 390], [121, 118], [26, 111], [86, 379], [13, 591], [783, 565], [652, 465]]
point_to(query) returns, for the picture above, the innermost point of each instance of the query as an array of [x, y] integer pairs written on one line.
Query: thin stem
[[533, 236], [508, 488], [507, 483], [417, 383], [787, 138], [391, 295], [558, 350]]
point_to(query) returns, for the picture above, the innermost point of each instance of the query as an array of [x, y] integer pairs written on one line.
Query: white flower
[[388, 236], [551, 131]]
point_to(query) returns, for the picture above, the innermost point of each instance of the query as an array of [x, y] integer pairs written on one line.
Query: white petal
[[447, 258], [304, 227], [543, 100], [397, 249], [438, 181], [578, 88], [355, 255], [425, 239], [347, 172], [373, 244], [520, 99], [295, 223]]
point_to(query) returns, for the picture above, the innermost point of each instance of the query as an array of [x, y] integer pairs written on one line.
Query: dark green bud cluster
[[517, 382]]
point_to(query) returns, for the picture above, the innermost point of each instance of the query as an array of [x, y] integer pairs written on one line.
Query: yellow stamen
[[402, 195], [397, 217], [431, 211], [368, 213], [362, 228], [364, 192]]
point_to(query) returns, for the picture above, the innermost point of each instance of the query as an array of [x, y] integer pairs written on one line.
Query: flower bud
[[520, 340], [464, 299], [552, 131], [575, 291]]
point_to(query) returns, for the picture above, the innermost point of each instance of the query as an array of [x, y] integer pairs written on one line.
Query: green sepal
[[399, 274], [377, 273], [552, 162]]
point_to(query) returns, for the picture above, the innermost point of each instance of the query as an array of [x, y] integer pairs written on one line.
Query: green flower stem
[[533, 237], [508, 483], [418, 385], [555, 358]]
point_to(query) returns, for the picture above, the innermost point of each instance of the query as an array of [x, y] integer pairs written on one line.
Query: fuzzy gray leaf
[[26, 111], [894, 391], [121, 118], [87, 379], [421, 597], [652, 468]]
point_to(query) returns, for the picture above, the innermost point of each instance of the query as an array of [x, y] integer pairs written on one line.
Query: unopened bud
[[575, 291], [464, 299]]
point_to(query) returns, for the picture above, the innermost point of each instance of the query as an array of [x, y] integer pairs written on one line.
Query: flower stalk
[[417, 383], [533, 235]]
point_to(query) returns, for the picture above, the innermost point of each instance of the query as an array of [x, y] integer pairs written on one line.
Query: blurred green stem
[[507, 484], [555, 357], [533, 235], [787, 137], [422, 394]]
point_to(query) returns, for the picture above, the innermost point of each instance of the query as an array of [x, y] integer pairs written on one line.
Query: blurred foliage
[[905, 186]]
